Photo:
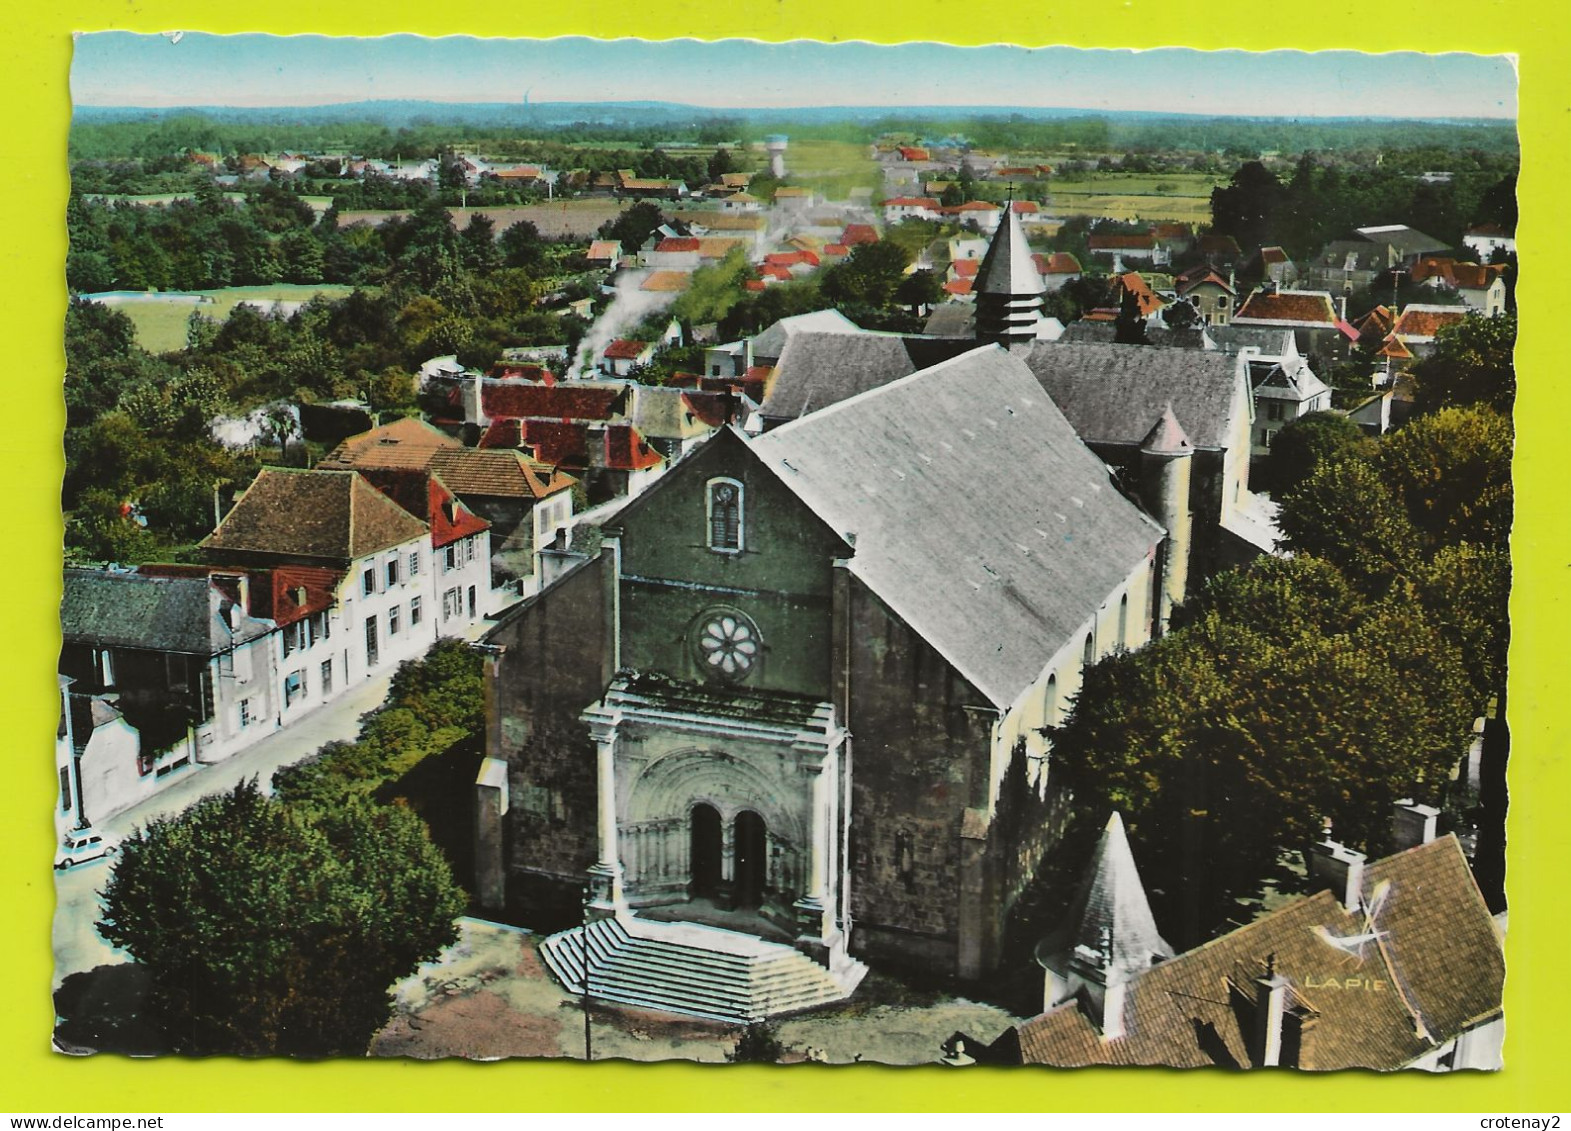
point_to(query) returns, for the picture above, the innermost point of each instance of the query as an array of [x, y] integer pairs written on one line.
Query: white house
[[1486, 239]]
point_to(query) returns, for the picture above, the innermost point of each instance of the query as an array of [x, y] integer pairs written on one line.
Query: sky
[[194, 69]]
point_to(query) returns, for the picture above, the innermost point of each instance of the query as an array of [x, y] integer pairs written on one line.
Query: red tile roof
[[1056, 263], [566, 401], [710, 408], [556, 443], [625, 349], [1302, 307], [1131, 283], [913, 153], [1172, 231], [1025, 207], [678, 243], [1122, 241], [424, 495], [972, 206], [791, 259], [1427, 321], [959, 286], [753, 285], [666, 281], [965, 268], [1476, 276], [836, 250], [516, 371], [626, 450], [1434, 969], [332, 515], [911, 202], [858, 234], [1270, 256], [609, 250]]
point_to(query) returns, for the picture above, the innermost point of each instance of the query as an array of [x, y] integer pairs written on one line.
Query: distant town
[[906, 589]]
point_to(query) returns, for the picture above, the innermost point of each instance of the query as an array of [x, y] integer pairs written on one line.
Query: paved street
[[76, 942]]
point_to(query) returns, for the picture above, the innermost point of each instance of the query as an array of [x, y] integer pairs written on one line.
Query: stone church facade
[[806, 675]]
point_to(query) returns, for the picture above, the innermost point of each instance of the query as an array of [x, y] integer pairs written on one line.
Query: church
[[804, 676]]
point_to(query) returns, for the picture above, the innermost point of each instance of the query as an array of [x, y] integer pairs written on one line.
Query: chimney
[[474, 408], [1412, 824], [1339, 868], [1104, 989], [1270, 1016]]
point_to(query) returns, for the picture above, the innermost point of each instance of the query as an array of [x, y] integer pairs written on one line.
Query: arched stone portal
[[707, 851], [751, 868]]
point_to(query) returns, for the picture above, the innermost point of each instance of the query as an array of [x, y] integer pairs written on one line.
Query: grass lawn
[[1128, 206], [161, 325], [833, 168], [575, 219]]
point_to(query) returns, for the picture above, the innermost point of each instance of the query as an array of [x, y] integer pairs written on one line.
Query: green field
[[832, 168], [318, 203], [1136, 196], [161, 325]]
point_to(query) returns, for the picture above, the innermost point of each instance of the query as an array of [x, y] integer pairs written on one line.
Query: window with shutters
[[725, 516]]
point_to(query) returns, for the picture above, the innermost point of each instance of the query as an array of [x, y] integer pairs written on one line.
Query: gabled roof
[[1420, 322], [329, 515], [818, 369], [624, 349], [497, 473], [1408, 241], [1008, 267], [626, 450], [770, 342], [912, 202], [156, 614], [1121, 241], [1434, 970], [282, 594], [1056, 263], [662, 281], [1021, 571], [858, 234], [1113, 393], [605, 249], [426, 497], [567, 401], [1190, 280], [677, 244], [1110, 908], [403, 443], [1308, 309]]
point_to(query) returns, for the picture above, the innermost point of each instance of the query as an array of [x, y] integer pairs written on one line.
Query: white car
[[81, 846]]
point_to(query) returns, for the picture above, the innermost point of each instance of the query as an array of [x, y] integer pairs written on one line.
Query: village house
[[1285, 388], [1319, 324], [1214, 297], [1486, 239], [898, 208], [1397, 965]]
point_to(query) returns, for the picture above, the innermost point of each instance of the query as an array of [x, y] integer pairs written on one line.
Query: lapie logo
[[1368, 984]]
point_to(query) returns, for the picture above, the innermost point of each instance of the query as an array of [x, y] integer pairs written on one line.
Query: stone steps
[[694, 970]]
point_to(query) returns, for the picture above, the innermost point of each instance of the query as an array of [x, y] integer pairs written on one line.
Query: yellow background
[[34, 61]]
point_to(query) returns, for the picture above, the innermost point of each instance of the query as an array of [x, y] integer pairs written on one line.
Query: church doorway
[[707, 849], [752, 859]]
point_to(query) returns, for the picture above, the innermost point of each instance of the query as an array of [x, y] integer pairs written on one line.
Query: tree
[[866, 277], [1287, 699], [1471, 364], [478, 243], [1247, 208], [1348, 514], [918, 290], [1303, 444], [1129, 329], [269, 930], [520, 245], [633, 225], [1452, 472], [720, 163]]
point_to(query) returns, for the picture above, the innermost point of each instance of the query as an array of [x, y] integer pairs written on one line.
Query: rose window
[[728, 645]]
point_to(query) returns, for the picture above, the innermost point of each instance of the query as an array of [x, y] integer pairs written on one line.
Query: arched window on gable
[[1050, 702], [725, 516], [1088, 653], [1123, 621]]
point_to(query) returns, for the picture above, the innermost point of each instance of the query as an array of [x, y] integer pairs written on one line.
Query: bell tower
[[1008, 288]]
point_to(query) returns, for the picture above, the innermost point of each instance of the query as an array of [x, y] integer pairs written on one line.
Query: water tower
[[775, 145]]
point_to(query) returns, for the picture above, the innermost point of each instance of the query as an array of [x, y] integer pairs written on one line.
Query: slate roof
[[329, 515], [667, 414], [1112, 394], [1008, 267], [771, 341], [1110, 899], [818, 369], [951, 320], [1020, 572], [156, 614], [1272, 341], [1438, 943], [1407, 241], [1297, 382]]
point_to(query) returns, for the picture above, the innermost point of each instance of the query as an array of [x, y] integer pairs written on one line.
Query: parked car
[[81, 846]]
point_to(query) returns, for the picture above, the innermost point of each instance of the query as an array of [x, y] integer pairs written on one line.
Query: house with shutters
[[387, 592]]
